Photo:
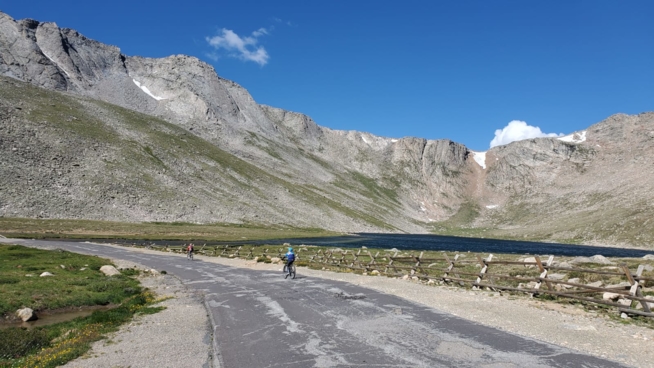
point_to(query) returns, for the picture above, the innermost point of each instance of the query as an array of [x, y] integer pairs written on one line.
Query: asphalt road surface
[[263, 320]]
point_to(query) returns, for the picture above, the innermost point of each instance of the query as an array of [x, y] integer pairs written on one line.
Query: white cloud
[[244, 48], [518, 130]]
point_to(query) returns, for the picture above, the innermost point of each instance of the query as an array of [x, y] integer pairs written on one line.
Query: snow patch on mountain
[[480, 158], [146, 90], [578, 137], [55, 63]]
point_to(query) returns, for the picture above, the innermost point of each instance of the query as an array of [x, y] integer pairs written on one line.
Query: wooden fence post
[[483, 269], [450, 267], [635, 287], [543, 272]]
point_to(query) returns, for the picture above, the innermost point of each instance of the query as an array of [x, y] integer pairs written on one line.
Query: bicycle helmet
[[290, 249]]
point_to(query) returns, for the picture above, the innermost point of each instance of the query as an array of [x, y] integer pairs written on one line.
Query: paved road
[[263, 320]]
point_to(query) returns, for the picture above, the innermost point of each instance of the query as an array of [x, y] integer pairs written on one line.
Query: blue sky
[[432, 69]]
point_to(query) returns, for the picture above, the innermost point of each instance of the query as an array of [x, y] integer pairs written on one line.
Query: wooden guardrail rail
[[616, 286]]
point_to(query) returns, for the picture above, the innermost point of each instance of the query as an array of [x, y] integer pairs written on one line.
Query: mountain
[[87, 132]]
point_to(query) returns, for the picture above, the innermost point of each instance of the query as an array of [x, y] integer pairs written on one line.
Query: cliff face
[[128, 138]]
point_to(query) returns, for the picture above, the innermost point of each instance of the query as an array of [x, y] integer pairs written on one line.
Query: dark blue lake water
[[434, 242]]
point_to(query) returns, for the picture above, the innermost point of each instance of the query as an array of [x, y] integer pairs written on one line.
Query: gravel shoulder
[[178, 336]]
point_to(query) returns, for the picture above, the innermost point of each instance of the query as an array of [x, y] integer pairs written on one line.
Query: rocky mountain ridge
[[140, 128]]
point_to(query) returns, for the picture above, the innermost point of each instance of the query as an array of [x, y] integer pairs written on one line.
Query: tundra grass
[[78, 283], [90, 229]]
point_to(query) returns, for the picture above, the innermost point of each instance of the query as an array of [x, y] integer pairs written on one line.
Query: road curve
[[262, 320]]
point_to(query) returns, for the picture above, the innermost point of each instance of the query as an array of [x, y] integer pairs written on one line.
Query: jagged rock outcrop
[[110, 136]]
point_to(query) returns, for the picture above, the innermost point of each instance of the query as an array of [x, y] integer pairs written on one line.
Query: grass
[[90, 229], [78, 283], [56, 344]]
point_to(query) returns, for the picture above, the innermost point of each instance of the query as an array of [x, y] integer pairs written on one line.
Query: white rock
[[601, 259], [625, 302], [595, 284], [29, 275], [26, 314], [374, 272], [275, 259], [649, 257], [109, 270], [624, 315], [154, 272], [405, 277], [83, 269], [622, 285], [530, 259], [62, 267], [610, 296], [415, 278], [556, 276], [574, 280], [431, 282], [45, 274]]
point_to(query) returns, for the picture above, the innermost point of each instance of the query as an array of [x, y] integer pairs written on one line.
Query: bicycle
[[289, 271], [189, 255]]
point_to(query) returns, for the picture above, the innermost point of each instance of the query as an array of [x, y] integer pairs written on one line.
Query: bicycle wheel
[[292, 271]]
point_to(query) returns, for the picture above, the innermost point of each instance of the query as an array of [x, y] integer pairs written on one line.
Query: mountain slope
[[98, 134]]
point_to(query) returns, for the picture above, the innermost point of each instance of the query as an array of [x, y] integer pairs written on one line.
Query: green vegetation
[[459, 224], [90, 229], [78, 283]]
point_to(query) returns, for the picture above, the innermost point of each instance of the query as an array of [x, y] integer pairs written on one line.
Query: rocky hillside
[[87, 132]]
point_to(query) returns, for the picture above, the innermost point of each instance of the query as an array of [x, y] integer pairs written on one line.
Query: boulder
[[556, 276], [622, 285], [415, 278], [649, 257], [601, 259], [405, 277], [597, 259], [109, 270], [530, 260], [431, 282], [610, 296], [46, 274], [275, 260], [595, 284], [564, 264], [62, 267], [624, 302], [374, 272], [26, 314], [574, 280]]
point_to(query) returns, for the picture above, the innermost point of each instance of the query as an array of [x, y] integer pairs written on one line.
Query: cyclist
[[290, 258], [189, 251]]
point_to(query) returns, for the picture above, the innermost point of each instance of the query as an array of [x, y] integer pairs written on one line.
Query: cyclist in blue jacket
[[290, 258]]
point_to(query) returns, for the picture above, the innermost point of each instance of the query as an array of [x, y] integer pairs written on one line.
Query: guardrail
[[612, 285]]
